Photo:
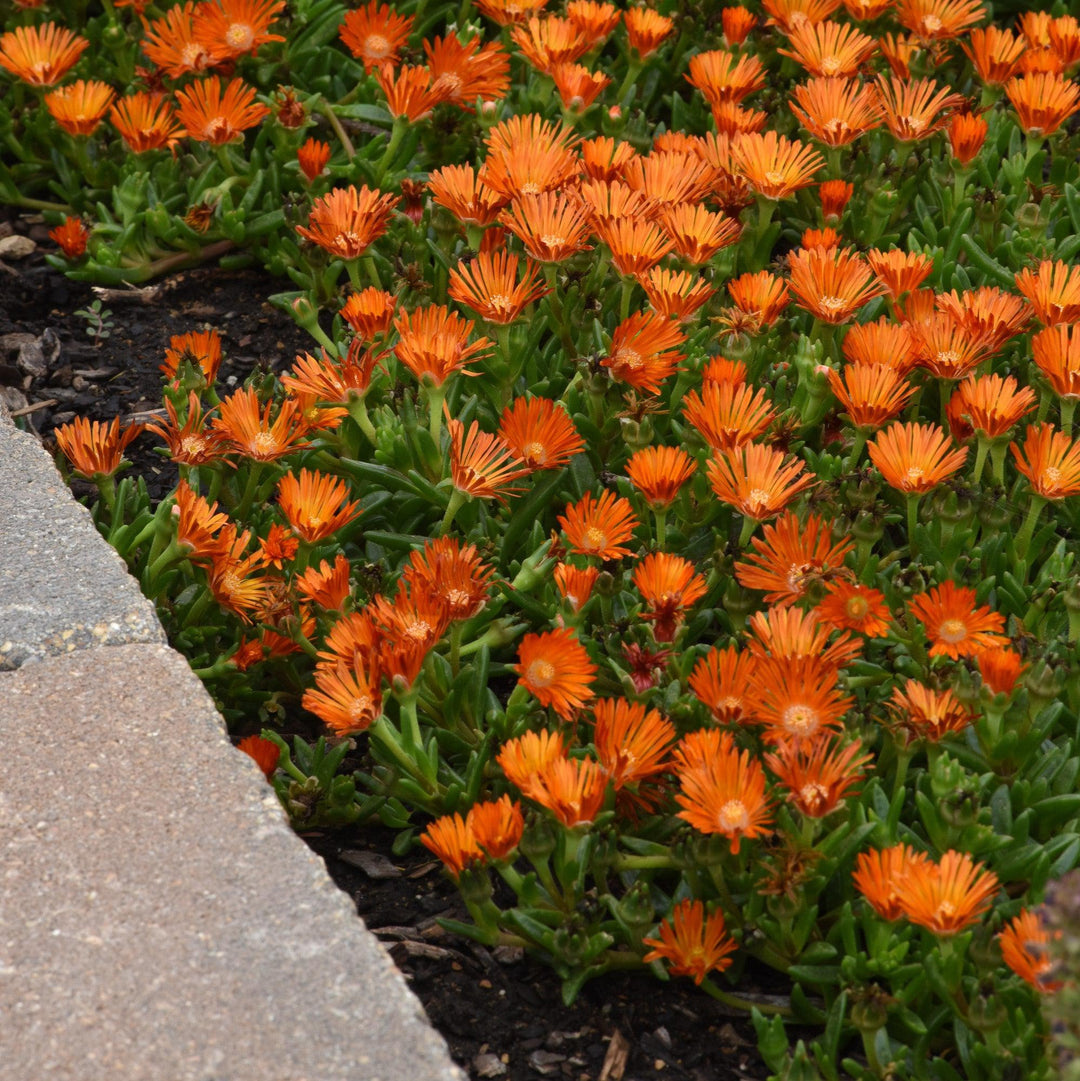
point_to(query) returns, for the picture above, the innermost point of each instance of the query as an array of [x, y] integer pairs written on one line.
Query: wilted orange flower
[[433, 343], [327, 586], [597, 527], [850, 606], [636, 245], [835, 50], [871, 394], [1057, 353], [994, 53], [724, 77], [278, 547], [482, 466], [264, 752], [644, 351], [489, 285], [555, 668], [1050, 460], [954, 624], [670, 587], [699, 233], [1053, 289], [40, 55], [924, 713], [575, 584], [756, 480], [879, 874], [789, 14], [881, 342], [201, 348], [915, 457], [936, 20], [727, 415], [646, 29], [540, 432], [452, 840], [1000, 669], [211, 116], [722, 680], [796, 698], [916, 109], [80, 106], [776, 166], [692, 943], [832, 283], [790, 556], [239, 26], [818, 776], [312, 157], [521, 759], [496, 826], [146, 122], [375, 33], [548, 41], [947, 896], [989, 405], [94, 448], [315, 504], [761, 295], [346, 221], [346, 696], [785, 633], [192, 443], [71, 235], [835, 196], [678, 294], [659, 472], [1025, 944]]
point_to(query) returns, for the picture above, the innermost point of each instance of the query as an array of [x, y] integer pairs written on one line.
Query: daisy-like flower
[[456, 574], [790, 556], [551, 226], [632, 743], [1000, 669], [832, 283], [241, 26], [572, 789], [433, 343], [327, 586], [938, 20], [40, 55], [315, 504], [575, 584], [821, 238], [692, 943], [462, 71], [899, 50], [540, 432], [790, 14], [496, 826], [668, 178], [489, 285], [723, 681], [369, 312], [598, 527], [836, 111], [80, 106], [923, 713], [731, 118], [797, 699], [737, 23], [201, 348], [1064, 35], [994, 53], [346, 221], [775, 166], [916, 109], [818, 776], [451, 839], [71, 236], [757, 481], [312, 157], [528, 155], [602, 158], [93, 448], [724, 77], [760, 295], [509, 12], [879, 873], [947, 896], [482, 466], [191, 443], [521, 759], [699, 233], [554, 668], [237, 580], [278, 547], [835, 50], [1025, 944], [850, 606], [835, 196], [248, 429], [870, 394], [375, 33], [330, 380], [678, 294], [636, 245], [728, 415], [172, 44], [646, 30], [954, 624], [785, 633], [606, 202], [1057, 354], [210, 115], [967, 133], [594, 19], [914, 458], [988, 405], [724, 370], [409, 91], [722, 791], [946, 347], [670, 588], [659, 472], [881, 342], [346, 696], [197, 522], [644, 351], [146, 122], [549, 41], [1050, 460], [1053, 289], [458, 188], [988, 312], [900, 271]]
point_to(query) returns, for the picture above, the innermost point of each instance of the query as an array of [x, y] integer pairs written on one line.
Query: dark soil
[[502, 1015]]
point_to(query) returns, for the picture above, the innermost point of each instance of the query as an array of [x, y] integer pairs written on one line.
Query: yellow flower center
[[856, 607], [915, 123], [774, 178], [913, 476], [733, 815], [952, 630], [813, 796], [757, 500], [240, 36], [529, 188], [535, 453], [552, 241], [229, 583], [832, 304], [541, 673], [192, 445], [800, 720], [218, 130], [360, 707], [594, 540], [629, 358], [348, 244], [263, 444], [830, 65], [376, 46], [931, 24], [449, 81], [501, 303], [948, 357], [1051, 477]]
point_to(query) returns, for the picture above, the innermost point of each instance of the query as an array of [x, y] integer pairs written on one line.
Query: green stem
[[661, 526], [1023, 538], [856, 450], [457, 501], [397, 132], [346, 143], [436, 395], [632, 71], [358, 412], [912, 522], [250, 488], [1068, 407], [739, 1003], [997, 462], [981, 451], [624, 300], [748, 526]]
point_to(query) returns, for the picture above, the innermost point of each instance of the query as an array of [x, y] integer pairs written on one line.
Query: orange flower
[[955, 626], [776, 166], [632, 744], [762, 296], [549, 41], [836, 111], [698, 233], [948, 896], [636, 245], [346, 221], [879, 874], [453, 841], [967, 133], [369, 312], [239, 26], [724, 370], [659, 472], [346, 697], [871, 394], [575, 584], [172, 44], [71, 235], [328, 380], [693, 945], [607, 202], [1025, 943], [853, 607], [597, 527], [465, 71], [914, 458], [508, 12], [375, 33], [678, 294], [899, 271], [994, 53], [728, 415], [737, 23], [472, 202], [1000, 669], [723, 791], [604, 159], [785, 633], [539, 432], [988, 404], [528, 155], [646, 29], [835, 50], [723, 681], [312, 158], [1053, 289], [235, 579], [551, 226], [866, 10], [523, 758], [454, 573], [724, 77], [835, 196], [482, 466], [788, 14], [643, 351], [197, 522], [1057, 355], [1064, 34], [899, 50], [670, 587], [790, 556], [818, 776], [94, 448], [881, 342], [409, 91], [756, 480], [200, 348], [572, 789], [264, 752], [81, 106], [146, 122], [210, 116], [1050, 460], [40, 55], [496, 826], [669, 177], [433, 343], [927, 714], [595, 20], [327, 586], [315, 504], [731, 119], [912, 110], [249, 430], [821, 238], [832, 283], [948, 348], [937, 20], [488, 284], [191, 444], [555, 668], [797, 699]]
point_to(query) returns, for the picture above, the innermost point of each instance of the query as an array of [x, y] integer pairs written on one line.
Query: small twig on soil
[[615, 1060], [27, 409], [147, 294]]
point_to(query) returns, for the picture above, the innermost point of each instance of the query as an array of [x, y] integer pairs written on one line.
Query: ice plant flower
[[757, 481], [572, 789], [554, 668], [71, 235], [923, 713], [988, 405], [264, 752], [832, 283], [994, 53], [369, 312], [646, 29], [374, 33], [190, 443], [212, 116], [820, 775], [797, 699], [146, 122], [551, 226], [1025, 944], [835, 50], [938, 20], [1057, 353], [785, 632], [249, 430], [723, 680], [240, 26], [598, 527], [728, 415], [1054, 291], [631, 741], [327, 586], [202, 348], [915, 110], [522, 758], [409, 91], [469, 199], [93, 448], [644, 351], [315, 504], [1043, 101], [881, 342], [636, 245], [40, 55], [670, 587], [947, 896], [659, 472], [851, 606], [870, 394], [836, 111], [453, 841], [761, 296], [80, 107], [550, 41], [692, 943], [723, 77], [776, 166], [482, 466], [1000, 669], [575, 584], [462, 71], [914, 458], [453, 572], [312, 158], [433, 343], [496, 826], [540, 432], [879, 874], [677, 294], [1050, 461], [954, 624], [967, 133], [489, 285], [698, 233], [346, 221]]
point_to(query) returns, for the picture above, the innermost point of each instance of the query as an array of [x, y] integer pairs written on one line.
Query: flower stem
[[1023, 538], [912, 522], [346, 143], [457, 501]]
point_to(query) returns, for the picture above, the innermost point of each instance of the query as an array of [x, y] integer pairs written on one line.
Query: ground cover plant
[[677, 504]]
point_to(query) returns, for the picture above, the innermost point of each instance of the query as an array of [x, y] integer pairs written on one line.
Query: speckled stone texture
[[61, 587], [159, 921]]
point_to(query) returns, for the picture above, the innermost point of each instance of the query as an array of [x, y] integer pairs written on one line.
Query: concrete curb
[[158, 918]]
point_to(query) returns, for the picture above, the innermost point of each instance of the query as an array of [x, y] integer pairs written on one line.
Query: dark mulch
[[501, 1015]]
